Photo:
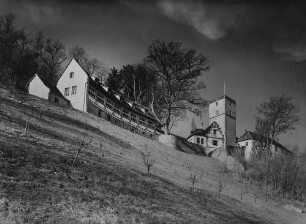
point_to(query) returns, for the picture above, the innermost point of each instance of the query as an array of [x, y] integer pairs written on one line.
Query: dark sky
[[257, 49]]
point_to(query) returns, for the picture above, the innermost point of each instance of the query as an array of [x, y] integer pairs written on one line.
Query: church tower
[[223, 111]]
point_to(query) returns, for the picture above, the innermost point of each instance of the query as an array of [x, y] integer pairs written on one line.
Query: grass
[[108, 182]]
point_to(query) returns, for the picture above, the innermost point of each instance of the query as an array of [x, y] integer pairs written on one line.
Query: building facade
[[90, 95], [250, 142], [211, 137], [37, 86], [222, 110], [221, 131]]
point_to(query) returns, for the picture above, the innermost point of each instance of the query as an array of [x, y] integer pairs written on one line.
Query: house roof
[[224, 96], [203, 132], [52, 87], [249, 135]]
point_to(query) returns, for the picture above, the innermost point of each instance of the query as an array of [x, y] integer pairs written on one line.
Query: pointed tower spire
[[224, 88]]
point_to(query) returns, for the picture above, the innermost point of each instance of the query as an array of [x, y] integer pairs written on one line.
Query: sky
[[257, 49]]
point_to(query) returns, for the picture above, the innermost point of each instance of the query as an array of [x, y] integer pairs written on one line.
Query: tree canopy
[[92, 66], [176, 70], [278, 115], [22, 56], [134, 82]]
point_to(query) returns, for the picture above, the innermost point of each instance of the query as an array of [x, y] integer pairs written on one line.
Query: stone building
[[221, 131]]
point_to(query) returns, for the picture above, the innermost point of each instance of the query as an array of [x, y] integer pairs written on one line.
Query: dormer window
[[71, 74]]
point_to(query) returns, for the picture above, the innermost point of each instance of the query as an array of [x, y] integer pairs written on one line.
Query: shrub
[[285, 174]]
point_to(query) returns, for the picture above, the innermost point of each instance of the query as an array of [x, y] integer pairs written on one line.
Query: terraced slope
[[107, 183]]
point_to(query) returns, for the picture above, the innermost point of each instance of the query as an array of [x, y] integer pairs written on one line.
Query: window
[[216, 103], [125, 114], [230, 112], [71, 74], [246, 144], [67, 91], [74, 90], [202, 141], [117, 109], [133, 117], [217, 112], [142, 121], [150, 124], [109, 104], [198, 140], [56, 100], [215, 142], [215, 131]]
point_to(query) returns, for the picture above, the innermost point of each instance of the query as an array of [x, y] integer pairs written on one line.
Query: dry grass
[[108, 182]]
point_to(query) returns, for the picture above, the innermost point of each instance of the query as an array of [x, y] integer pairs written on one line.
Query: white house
[[73, 84], [211, 137], [40, 87], [249, 141]]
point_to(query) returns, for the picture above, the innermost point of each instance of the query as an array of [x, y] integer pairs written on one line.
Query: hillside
[[108, 182]]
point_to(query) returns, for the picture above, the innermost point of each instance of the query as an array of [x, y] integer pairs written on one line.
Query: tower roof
[[221, 97]]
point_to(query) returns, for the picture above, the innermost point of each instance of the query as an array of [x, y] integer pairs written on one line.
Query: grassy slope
[[108, 182]]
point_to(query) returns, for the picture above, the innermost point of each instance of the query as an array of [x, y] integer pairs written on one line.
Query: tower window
[[217, 112], [230, 112], [71, 74], [215, 142]]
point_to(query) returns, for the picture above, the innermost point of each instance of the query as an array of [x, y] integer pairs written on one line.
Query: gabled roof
[[224, 96], [203, 132], [249, 135], [52, 87]]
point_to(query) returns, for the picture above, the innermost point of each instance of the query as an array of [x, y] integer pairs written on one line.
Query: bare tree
[[83, 143], [53, 55], [277, 116], [148, 160], [176, 70], [92, 66], [193, 180], [79, 54], [193, 125]]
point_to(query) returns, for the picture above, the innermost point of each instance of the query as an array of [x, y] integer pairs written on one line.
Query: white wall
[[80, 79], [38, 88], [248, 144], [207, 141]]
